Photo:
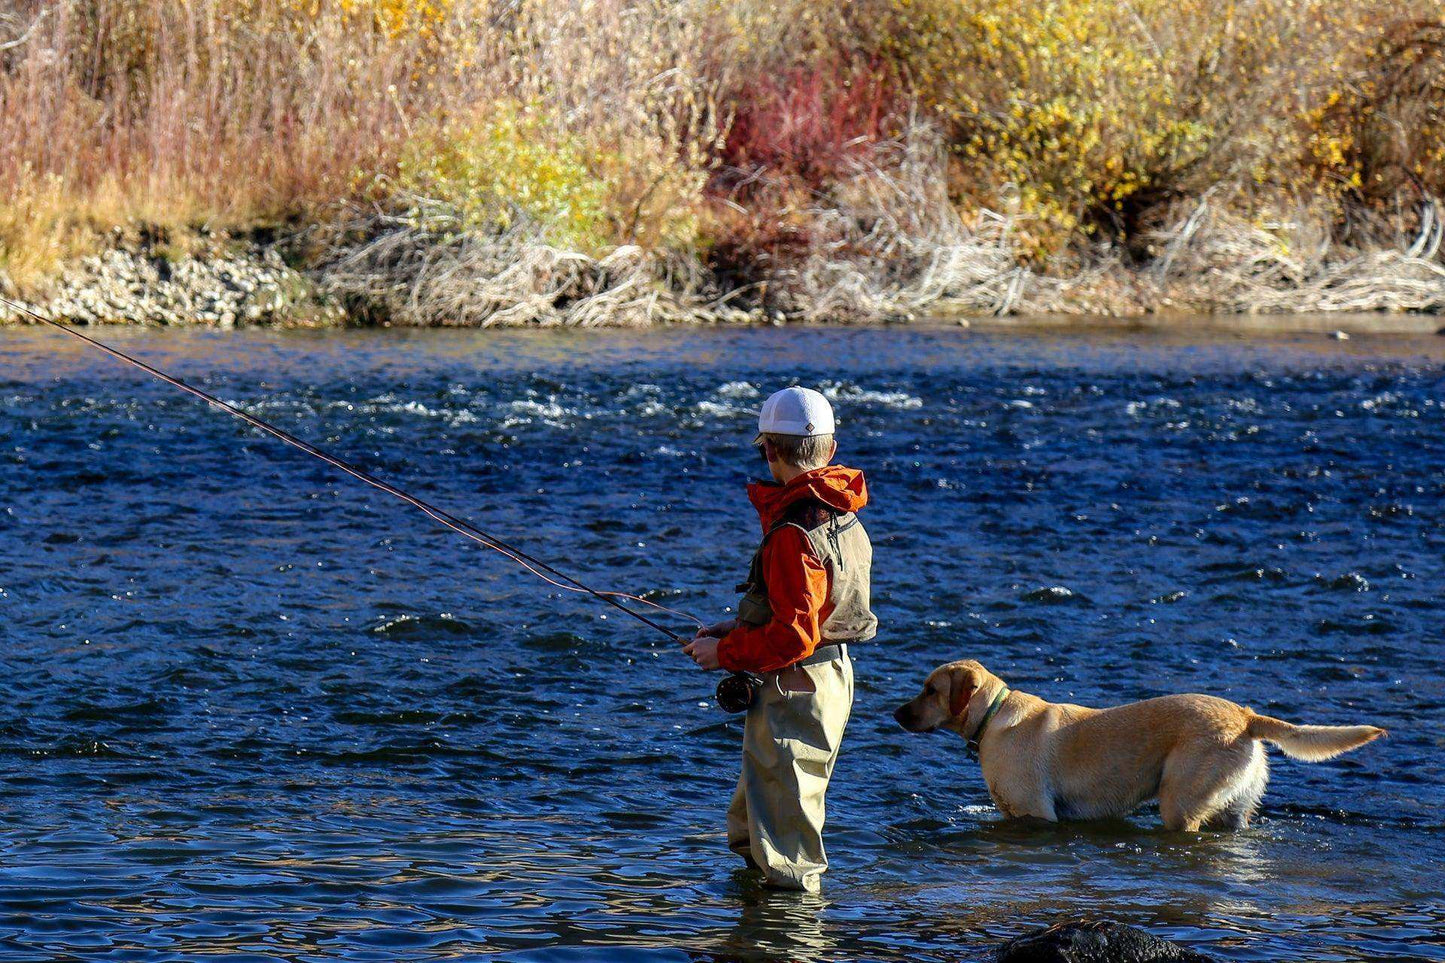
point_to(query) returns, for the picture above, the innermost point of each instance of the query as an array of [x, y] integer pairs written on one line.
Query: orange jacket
[[797, 579]]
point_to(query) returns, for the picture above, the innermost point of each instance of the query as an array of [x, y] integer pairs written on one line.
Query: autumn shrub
[[810, 121], [1076, 105], [507, 163], [1379, 134], [632, 80], [1088, 114], [568, 188]]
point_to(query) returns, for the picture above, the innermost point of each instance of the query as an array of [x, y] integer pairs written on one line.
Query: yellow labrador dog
[[1201, 756]]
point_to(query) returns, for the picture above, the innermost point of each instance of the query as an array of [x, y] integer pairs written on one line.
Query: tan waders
[[790, 742]]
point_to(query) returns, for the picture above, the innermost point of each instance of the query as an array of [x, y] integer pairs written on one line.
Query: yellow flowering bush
[[400, 16], [394, 18], [1380, 129], [1091, 112], [1076, 105]]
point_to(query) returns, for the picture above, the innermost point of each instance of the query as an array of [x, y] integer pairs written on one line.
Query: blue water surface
[[250, 708]]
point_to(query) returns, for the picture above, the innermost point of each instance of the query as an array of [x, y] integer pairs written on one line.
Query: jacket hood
[[833, 485]]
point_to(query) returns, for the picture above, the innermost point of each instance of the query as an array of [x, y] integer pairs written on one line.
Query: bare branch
[[25, 37]]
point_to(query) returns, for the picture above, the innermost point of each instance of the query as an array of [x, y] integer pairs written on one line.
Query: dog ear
[[960, 691]]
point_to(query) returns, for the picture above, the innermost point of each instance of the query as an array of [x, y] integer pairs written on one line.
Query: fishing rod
[[532, 564]]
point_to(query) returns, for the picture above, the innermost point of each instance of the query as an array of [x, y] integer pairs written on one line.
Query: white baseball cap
[[796, 411]]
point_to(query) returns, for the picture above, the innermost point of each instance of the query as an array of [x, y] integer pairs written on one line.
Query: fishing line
[[541, 569]]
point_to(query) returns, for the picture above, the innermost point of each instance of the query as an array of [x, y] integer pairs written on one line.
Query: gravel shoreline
[[251, 286]]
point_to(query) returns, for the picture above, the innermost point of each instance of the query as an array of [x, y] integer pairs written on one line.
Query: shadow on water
[[247, 708]]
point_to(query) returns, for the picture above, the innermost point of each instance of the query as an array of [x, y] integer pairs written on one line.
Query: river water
[[248, 706]]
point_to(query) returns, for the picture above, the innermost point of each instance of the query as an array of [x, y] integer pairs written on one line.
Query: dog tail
[[1310, 743]]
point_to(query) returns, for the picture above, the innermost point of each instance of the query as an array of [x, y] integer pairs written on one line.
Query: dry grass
[[427, 269], [1218, 262], [182, 117], [887, 243]]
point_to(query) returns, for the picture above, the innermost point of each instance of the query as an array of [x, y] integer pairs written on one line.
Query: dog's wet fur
[[1202, 757]]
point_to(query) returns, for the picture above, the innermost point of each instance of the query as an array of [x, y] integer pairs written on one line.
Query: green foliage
[[512, 162], [508, 161]]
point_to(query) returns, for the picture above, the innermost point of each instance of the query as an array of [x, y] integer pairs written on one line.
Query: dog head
[[947, 699]]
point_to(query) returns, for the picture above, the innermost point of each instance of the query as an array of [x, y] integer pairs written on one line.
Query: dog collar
[[993, 708]]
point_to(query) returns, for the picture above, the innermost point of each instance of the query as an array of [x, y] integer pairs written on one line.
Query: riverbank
[[629, 162], [480, 281]]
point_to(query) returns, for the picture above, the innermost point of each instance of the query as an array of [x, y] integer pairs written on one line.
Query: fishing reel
[[737, 690]]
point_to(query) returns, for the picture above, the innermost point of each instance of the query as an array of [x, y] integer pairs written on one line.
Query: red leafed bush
[[793, 136], [808, 122]]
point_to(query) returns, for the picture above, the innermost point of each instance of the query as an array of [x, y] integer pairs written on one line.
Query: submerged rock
[[1095, 942]]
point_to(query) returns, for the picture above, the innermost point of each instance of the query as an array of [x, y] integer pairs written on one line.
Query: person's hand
[[717, 630], [703, 651]]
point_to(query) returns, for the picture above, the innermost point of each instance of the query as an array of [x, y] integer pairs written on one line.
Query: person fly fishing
[[806, 599]]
